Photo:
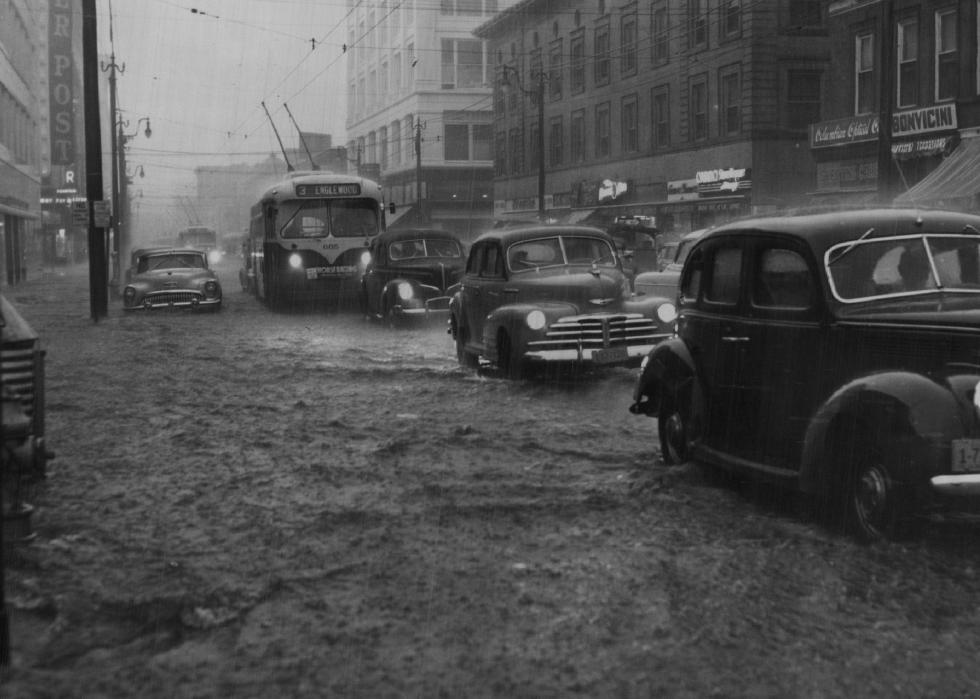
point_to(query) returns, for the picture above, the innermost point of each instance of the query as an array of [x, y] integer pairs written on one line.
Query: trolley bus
[[308, 238]]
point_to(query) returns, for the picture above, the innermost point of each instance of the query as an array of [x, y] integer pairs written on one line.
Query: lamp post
[[122, 203], [537, 93]]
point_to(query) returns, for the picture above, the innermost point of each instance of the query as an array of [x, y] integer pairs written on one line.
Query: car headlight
[[365, 258], [295, 261], [536, 320], [667, 313], [976, 397], [405, 291], [211, 288], [129, 294]]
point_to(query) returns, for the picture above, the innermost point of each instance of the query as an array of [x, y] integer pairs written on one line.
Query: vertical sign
[[61, 82]]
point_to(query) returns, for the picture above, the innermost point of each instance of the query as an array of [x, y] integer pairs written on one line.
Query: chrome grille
[[18, 371], [176, 298], [599, 331]]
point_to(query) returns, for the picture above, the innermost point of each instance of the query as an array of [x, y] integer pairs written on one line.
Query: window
[[602, 55], [782, 281], [500, 154], [697, 16], [457, 142], [724, 279], [602, 146], [802, 98], [731, 20], [383, 147], [629, 127], [947, 67], [805, 13], [556, 141], [576, 137], [730, 99], [462, 7], [660, 114], [659, 31], [627, 43], [555, 59], [699, 108], [864, 62], [482, 135], [908, 57], [462, 63], [576, 47], [535, 150], [396, 144]]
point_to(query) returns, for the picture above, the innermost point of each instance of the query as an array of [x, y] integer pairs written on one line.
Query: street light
[[539, 95], [121, 197]]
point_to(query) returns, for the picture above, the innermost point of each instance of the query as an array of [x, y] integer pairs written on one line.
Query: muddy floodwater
[[258, 504]]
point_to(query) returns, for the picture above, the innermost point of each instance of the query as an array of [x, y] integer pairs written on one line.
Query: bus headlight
[[535, 320], [365, 258], [667, 313], [295, 261], [405, 291]]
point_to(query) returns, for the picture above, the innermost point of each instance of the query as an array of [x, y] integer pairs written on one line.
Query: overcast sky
[[201, 69]]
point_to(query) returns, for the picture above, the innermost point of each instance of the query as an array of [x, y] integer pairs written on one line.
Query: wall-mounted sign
[[61, 81], [941, 117], [730, 180], [844, 175], [682, 190], [840, 132], [919, 148]]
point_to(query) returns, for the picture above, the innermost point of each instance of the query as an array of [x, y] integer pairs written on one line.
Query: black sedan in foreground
[[838, 354], [410, 274]]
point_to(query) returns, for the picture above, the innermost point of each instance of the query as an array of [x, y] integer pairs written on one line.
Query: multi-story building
[[903, 116], [691, 111], [418, 114], [20, 158]]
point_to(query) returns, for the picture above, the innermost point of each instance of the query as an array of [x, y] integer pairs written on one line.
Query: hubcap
[[871, 496], [675, 433]]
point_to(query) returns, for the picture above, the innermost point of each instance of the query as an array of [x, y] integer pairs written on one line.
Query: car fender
[[910, 416], [510, 318], [669, 369]]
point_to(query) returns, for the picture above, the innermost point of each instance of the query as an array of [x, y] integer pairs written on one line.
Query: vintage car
[[552, 294], [171, 278], [410, 274], [810, 353], [24, 456], [636, 242], [664, 282]]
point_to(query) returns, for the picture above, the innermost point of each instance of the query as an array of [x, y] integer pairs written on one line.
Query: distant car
[[635, 238], [552, 294], [664, 282], [410, 273], [171, 278], [811, 352]]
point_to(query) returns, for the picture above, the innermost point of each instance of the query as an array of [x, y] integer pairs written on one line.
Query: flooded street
[[254, 504]]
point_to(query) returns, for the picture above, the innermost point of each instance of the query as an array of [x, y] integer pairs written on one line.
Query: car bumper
[[957, 484], [596, 355], [191, 301], [438, 305]]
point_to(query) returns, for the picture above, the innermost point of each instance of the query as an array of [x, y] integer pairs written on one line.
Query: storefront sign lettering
[[60, 81], [938, 118], [843, 131]]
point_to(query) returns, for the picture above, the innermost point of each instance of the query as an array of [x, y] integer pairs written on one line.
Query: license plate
[[611, 355], [966, 455], [339, 271]]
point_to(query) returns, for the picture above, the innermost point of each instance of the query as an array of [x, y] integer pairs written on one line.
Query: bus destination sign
[[344, 189]]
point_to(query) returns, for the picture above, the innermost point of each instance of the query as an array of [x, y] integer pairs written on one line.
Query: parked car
[[807, 354], [552, 294], [664, 282], [24, 455], [171, 278], [410, 273]]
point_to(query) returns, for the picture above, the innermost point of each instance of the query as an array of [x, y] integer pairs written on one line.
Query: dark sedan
[[411, 273], [552, 294], [838, 354]]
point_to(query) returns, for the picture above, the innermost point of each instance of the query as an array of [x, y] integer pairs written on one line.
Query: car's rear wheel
[[675, 428]]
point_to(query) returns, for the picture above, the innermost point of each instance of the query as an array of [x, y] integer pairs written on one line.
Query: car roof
[[507, 236], [824, 230], [414, 234], [150, 252]]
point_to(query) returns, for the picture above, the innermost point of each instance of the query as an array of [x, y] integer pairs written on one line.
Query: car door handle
[[734, 338]]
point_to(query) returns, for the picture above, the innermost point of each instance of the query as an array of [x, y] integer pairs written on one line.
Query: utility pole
[[886, 58], [98, 282], [537, 94], [117, 144], [419, 125]]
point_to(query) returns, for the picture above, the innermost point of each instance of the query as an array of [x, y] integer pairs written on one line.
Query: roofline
[[496, 24]]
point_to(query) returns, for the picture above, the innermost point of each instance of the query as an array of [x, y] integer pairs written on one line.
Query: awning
[[579, 215], [957, 176], [21, 213]]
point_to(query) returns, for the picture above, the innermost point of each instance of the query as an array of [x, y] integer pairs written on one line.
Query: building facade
[[419, 108], [690, 111], [903, 118], [20, 144]]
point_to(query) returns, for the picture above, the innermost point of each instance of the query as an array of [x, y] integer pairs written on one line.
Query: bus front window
[[353, 218], [308, 220]]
